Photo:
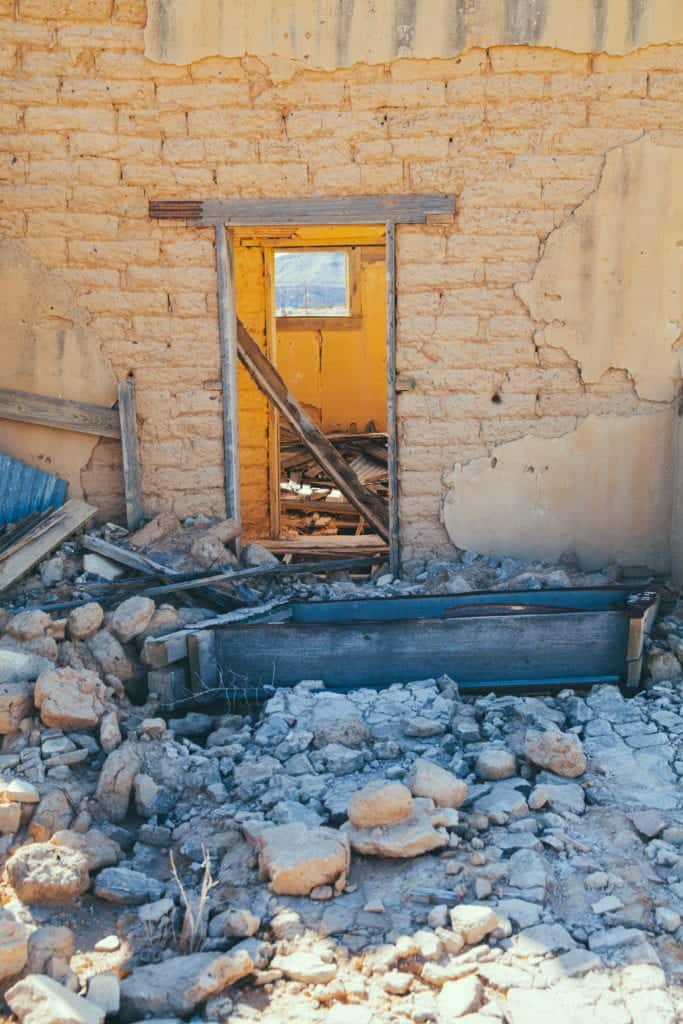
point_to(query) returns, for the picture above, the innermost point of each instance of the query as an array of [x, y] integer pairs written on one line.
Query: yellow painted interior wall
[[338, 375]]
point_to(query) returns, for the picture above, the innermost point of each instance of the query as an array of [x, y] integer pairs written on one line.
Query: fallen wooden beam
[[132, 559], [61, 413], [327, 545], [273, 386], [68, 519]]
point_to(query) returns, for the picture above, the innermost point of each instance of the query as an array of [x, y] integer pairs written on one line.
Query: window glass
[[311, 284]]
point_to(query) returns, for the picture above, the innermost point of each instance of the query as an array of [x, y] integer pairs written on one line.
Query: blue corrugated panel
[[24, 490]]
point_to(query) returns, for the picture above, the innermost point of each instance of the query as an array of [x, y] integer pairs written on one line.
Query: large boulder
[[16, 699], [37, 999], [70, 699], [13, 945], [132, 618], [416, 834], [298, 859], [429, 780], [176, 986], [85, 621], [116, 780], [380, 803], [43, 873], [558, 752]]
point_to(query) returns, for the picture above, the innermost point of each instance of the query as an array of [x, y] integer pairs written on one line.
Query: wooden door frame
[[225, 213]]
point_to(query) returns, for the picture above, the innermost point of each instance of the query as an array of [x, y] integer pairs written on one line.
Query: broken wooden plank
[[327, 545], [368, 209], [201, 657], [227, 330], [61, 413], [161, 651], [132, 559], [129, 448], [74, 514], [273, 386]]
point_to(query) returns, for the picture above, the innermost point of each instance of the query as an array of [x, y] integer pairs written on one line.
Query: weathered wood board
[[69, 518]]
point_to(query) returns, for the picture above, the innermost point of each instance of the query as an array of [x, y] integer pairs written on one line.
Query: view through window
[[311, 284]]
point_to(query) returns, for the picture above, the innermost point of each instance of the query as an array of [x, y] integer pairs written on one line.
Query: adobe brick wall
[[90, 130]]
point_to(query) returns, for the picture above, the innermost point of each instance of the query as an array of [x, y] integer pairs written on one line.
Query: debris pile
[[404, 854]]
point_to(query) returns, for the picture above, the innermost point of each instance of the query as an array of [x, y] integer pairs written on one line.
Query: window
[[312, 284]]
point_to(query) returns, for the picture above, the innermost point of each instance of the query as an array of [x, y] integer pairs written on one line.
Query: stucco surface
[[337, 33], [47, 349], [603, 491], [609, 285]]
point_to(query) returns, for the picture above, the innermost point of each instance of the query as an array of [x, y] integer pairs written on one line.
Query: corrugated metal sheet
[[24, 490]]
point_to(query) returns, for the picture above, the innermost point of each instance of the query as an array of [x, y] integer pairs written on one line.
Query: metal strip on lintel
[[393, 209]]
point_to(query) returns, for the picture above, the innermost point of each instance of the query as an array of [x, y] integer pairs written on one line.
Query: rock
[[146, 794], [254, 555], [131, 618], [648, 824], [110, 732], [110, 655], [663, 665], [13, 945], [541, 939], [116, 780], [297, 859], [104, 991], [28, 625], [178, 985], [494, 764], [473, 922], [107, 944], [407, 838], [69, 698], [195, 723], [21, 792], [104, 568], [16, 698], [209, 552], [341, 1013], [458, 998], [420, 727], [501, 803], [305, 967], [429, 780], [559, 752], [54, 812], [568, 796], [380, 803], [152, 913], [10, 818], [85, 621], [47, 942], [99, 850], [239, 923], [397, 983], [37, 999], [17, 667], [335, 719], [161, 526], [52, 570], [123, 885], [43, 873]]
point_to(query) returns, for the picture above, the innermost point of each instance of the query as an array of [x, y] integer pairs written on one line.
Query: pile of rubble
[[403, 855]]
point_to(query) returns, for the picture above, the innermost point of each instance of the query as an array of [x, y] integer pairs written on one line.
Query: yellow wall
[[339, 376]]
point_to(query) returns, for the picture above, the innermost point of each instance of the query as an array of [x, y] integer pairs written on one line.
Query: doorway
[[314, 300]]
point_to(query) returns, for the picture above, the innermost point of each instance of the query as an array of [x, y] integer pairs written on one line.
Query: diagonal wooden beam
[[273, 386]]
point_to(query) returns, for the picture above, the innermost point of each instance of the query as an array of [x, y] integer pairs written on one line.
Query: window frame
[[351, 320]]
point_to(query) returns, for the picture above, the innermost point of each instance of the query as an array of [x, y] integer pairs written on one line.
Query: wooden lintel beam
[[60, 413], [373, 209], [273, 386]]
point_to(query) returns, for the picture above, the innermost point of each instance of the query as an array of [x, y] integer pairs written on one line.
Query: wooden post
[[227, 327], [392, 429], [131, 462]]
